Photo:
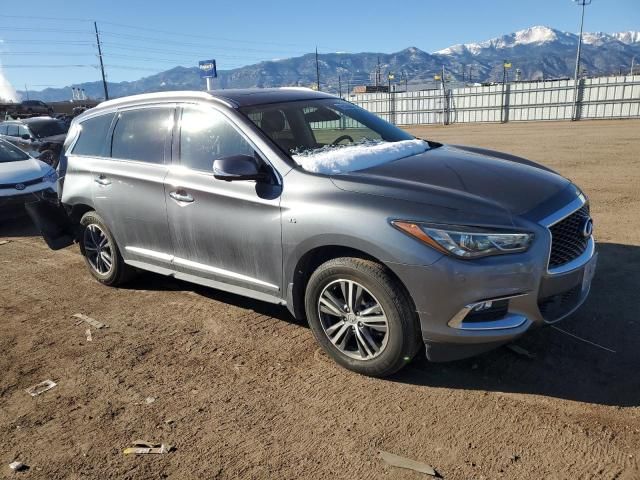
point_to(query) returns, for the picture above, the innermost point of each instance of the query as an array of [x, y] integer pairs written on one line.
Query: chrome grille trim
[[589, 244], [567, 239]]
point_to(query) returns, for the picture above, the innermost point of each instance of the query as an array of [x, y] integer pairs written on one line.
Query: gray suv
[[382, 241]]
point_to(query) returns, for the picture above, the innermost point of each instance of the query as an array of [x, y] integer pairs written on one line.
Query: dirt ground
[[242, 390]]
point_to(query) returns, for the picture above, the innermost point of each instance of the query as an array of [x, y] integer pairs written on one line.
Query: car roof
[[244, 97], [38, 119], [29, 120], [233, 98]]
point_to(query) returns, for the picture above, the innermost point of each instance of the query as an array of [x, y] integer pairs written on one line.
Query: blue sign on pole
[[208, 69]]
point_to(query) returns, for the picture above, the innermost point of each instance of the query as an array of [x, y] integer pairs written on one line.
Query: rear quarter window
[[93, 140]]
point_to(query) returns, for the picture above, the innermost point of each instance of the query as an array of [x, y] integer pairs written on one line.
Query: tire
[[93, 232], [370, 284]]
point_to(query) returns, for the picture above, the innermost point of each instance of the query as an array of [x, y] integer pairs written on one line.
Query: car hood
[[54, 138], [22, 171], [459, 178]]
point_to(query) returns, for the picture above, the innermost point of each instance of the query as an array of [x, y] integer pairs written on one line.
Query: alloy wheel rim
[[353, 319], [98, 249]]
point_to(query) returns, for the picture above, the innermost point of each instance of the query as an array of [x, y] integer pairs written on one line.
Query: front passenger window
[[206, 135]]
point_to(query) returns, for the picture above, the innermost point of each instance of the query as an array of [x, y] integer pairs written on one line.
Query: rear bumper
[[446, 292]]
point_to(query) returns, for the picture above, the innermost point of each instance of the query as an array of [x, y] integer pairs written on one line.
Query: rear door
[[128, 187], [227, 232]]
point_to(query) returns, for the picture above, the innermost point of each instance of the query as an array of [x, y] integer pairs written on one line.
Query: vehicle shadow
[[152, 281], [565, 367]]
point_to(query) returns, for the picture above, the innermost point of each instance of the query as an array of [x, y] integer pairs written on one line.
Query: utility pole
[[26, 90], [583, 4], [392, 115], [470, 76], [633, 61], [317, 71], [444, 98], [339, 86], [505, 64], [104, 79]]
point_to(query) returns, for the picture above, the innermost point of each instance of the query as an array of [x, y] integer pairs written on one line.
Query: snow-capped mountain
[[540, 35], [538, 52], [544, 52]]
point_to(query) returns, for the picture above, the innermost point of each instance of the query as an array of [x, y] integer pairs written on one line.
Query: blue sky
[[243, 32]]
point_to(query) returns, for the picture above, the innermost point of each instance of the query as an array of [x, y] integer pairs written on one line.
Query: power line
[[122, 46], [48, 42], [163, 41], [32, 17], [156, 30], [49, 66], [48, 30]]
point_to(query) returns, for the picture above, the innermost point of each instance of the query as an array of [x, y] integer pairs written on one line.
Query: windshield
[[47, 128], [9, 153], [331, 135]]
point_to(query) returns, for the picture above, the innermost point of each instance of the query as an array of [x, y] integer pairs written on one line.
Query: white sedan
[[22, 179]]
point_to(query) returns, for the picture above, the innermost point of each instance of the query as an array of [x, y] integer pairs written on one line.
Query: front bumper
[[446, 292], [12, 202]]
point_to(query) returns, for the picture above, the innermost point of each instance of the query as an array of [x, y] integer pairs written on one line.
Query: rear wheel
[[101, 253], [362, 316]]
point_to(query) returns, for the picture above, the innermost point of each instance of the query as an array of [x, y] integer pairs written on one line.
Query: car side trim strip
[[199, 266], [150, 253]]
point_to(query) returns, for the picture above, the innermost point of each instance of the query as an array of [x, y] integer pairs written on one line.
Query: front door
[[226, 232], [129, 186]]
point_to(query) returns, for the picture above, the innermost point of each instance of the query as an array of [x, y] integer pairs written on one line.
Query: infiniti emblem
[[20, 186], [587, 228]]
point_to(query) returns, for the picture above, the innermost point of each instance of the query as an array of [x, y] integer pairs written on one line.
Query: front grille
[[567, 239], [557, 306], [26, 183]]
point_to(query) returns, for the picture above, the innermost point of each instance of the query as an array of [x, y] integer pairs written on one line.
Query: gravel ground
[[242, 391]]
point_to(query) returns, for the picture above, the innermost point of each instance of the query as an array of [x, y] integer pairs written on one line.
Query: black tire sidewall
[[113, 276], [399, 349]]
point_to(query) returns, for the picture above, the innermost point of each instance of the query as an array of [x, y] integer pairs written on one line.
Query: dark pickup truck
[[27, 108]]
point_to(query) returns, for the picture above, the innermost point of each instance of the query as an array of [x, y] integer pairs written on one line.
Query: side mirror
[[25, 136], [238, 167]]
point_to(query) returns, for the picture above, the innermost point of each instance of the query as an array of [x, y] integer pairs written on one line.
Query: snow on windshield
[[333, 159]]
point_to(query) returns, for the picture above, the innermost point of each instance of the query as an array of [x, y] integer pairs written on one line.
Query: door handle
[[181, 196], [102, 180]]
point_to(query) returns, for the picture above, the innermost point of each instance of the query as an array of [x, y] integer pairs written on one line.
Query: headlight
[[51, 177], [466, 242]]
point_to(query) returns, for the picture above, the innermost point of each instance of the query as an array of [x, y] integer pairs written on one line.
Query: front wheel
[[101, 254], [362, 316]]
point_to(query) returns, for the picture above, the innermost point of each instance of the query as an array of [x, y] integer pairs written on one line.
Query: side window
[[206, 135], [12, 130], [23, 130], [93, 136], [141, 134], [3, 129]]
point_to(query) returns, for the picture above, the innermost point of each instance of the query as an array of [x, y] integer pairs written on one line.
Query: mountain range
[[538, 52]]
